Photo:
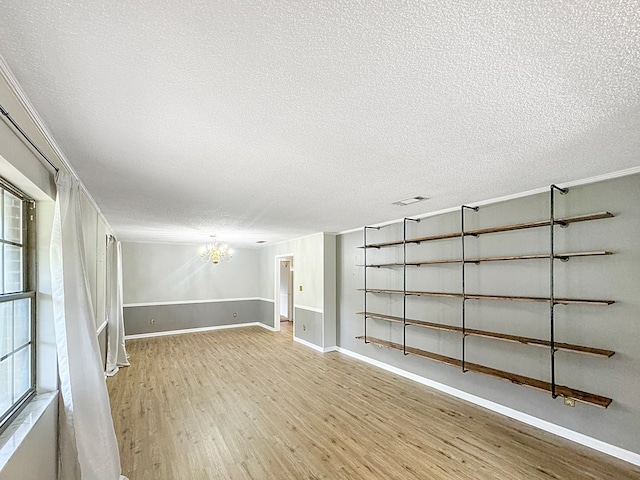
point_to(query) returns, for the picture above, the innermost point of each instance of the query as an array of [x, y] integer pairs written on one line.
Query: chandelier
[[215, 253]]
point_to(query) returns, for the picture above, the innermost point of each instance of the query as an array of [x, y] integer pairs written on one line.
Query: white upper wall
[[308, 270], [155, 272]]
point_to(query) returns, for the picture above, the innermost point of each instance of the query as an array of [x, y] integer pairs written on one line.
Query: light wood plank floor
[[247, 403]]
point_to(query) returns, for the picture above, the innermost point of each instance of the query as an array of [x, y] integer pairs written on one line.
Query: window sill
[[16, 432]]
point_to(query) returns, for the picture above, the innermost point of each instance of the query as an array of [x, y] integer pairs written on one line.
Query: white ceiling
[[272, 119]]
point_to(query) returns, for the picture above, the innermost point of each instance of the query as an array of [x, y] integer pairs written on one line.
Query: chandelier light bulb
[[215, 253]]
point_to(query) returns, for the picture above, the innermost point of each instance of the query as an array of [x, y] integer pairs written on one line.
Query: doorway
[[284, 316]]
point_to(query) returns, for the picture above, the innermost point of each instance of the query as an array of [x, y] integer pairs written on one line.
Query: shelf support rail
[[464, 293], [552, 299], [404, 281], [364, 230]]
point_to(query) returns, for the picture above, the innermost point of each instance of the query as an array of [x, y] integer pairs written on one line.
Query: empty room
[[319, 240]]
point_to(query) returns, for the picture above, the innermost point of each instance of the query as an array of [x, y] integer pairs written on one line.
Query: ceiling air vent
[[409, 201]]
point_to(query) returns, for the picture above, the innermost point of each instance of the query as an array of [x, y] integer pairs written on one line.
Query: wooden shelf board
[[559, 256], [542, 223], [559, 301], [579, 396], [443, 236], [503, 228], [569, 347]]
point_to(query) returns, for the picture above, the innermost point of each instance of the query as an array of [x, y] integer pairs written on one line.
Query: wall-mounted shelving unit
[[504, 228], [463, 295]]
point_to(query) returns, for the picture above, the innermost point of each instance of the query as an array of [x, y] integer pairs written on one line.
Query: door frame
[[276, 289]]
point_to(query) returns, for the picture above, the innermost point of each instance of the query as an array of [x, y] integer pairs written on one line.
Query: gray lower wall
[[266, 312], [137, 319], [307, 326], [102, 344], [613, 327]]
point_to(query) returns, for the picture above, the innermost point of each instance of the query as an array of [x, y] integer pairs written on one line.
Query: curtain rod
[[22, 132]]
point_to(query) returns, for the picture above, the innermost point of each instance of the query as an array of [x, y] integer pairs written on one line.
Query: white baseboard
[[196, 330], [308, 344], [268, 327], [622, 454], [314, 346]]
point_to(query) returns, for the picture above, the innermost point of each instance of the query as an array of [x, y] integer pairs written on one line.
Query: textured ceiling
[[267, 120]]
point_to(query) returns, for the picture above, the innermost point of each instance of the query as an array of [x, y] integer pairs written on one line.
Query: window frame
[[28, 291]]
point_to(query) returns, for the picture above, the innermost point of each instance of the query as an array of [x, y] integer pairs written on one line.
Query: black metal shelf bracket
[[404, 281], [364, 232], [552, 299], [464, 294]]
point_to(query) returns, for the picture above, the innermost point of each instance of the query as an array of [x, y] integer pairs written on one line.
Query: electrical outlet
[[570, 402], [152, 321], [304, 328]]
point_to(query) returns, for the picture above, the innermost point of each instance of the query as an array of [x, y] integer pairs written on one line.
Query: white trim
[[267, 327], [311, 309], [188, 302], [314, 346], [101, 328], [308, 344], [535, 191], [195, 330], [276, 287], [601, 178], [599, 445], [17, 90]]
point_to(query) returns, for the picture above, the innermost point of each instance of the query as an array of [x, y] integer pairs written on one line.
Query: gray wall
[[170, 317], [314, 287], [308, 325], [102, 345], [610, 277], [329, 292], [170, 285]]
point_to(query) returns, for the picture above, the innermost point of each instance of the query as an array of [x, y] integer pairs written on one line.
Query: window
[[17, 301]]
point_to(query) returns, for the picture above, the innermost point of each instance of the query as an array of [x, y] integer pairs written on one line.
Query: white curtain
[[116, 352], [87, 445]]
